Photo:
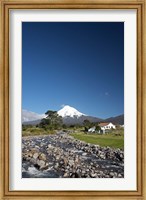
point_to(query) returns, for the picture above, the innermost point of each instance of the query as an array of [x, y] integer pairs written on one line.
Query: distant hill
[[34, 122], [116, 120]]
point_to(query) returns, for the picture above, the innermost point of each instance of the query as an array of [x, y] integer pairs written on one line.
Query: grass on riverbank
[[32, 131], [113, 139]]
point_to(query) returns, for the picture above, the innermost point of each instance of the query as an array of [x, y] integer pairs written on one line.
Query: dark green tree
[[86, 123], [98, 128], [52, 120]]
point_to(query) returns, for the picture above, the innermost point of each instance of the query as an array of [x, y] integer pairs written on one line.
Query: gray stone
[[42, 156], [56, 166], [111, 174], [93, 175], [65, 175], [84, 154], [41, 163], [35, 155]]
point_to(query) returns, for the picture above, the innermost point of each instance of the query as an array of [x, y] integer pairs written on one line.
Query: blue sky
[[80, 64]]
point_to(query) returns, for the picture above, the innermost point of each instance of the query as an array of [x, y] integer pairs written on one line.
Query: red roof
[[103, 124]]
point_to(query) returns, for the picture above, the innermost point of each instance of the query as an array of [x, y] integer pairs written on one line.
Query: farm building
[[106, 126]]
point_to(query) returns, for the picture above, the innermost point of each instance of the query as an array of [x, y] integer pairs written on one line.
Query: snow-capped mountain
[[31, 116], [72, 116], [68, 111]]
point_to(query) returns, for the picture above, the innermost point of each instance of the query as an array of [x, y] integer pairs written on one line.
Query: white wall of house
[[91, 130]]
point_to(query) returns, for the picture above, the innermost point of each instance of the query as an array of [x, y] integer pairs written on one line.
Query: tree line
[[54, 121]]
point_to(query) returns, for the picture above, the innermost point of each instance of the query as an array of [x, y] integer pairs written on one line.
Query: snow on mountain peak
[[68, 111]]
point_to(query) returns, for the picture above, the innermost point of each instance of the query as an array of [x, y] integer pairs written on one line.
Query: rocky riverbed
[[62, 156]]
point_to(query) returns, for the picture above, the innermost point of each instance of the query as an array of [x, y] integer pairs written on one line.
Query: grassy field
[[36, 131], [114, 139]]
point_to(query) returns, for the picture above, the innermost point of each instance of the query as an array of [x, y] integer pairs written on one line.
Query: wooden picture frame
[[7, 5]]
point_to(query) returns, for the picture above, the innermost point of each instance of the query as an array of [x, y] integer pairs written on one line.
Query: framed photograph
[[72, 99]]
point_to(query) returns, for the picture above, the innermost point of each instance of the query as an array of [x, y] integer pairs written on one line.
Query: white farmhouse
[[106, 126]]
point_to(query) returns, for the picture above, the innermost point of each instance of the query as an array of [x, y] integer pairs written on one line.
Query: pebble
[[35, 155], [84, 154]]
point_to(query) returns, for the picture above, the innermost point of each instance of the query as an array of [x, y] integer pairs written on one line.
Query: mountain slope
[[79, 120], [34, 122], [116, 120]]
